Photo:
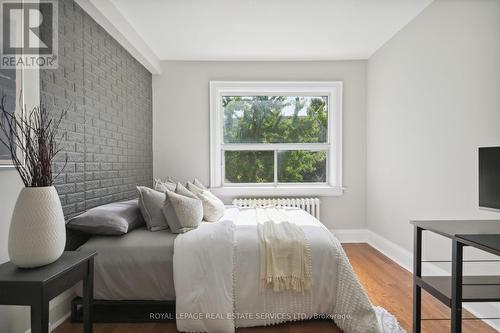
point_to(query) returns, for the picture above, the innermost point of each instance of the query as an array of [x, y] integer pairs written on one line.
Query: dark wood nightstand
[[36, 287]]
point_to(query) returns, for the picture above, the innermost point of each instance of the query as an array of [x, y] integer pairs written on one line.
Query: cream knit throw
[[285, 262]]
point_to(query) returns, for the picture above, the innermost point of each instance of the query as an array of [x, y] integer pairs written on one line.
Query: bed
[[212, 273], [135, 266]]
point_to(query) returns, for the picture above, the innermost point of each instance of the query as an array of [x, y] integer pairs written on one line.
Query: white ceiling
[[265, 29]]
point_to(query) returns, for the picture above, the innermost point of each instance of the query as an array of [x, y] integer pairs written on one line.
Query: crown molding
[[110, 18]]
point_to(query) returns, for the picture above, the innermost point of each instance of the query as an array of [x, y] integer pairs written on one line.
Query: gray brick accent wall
[[107, 133]]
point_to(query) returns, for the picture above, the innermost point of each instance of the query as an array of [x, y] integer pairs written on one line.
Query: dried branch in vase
[[33, 141]]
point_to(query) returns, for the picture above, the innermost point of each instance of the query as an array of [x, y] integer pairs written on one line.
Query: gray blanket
[[135, 266]]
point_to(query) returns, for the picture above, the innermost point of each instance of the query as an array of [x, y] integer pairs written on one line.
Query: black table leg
[[88, 297], [40, 315], [417, 272], [456, 287]]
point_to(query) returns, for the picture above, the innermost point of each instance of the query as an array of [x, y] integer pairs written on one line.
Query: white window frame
[[27, 85], [331, 89]]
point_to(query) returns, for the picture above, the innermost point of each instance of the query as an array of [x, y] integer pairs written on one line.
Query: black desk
[[36, 287], [455, 289], [488, 243]]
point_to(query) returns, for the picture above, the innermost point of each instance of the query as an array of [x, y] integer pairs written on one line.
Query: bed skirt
[[125, 311]]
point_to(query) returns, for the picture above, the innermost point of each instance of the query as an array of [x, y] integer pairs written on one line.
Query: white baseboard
[[55, 324], [60, 321], [351, 235], [55, 304], [400, 255], [404, 258]]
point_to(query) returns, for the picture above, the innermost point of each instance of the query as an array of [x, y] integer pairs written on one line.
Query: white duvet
[[216, 277]]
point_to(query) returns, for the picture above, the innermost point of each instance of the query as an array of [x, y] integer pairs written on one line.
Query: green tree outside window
[[269, 120]]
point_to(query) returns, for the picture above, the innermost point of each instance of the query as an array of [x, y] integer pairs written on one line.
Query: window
[[273, 138], [11, 87], [9, 93]]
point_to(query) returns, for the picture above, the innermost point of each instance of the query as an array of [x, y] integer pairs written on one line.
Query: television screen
[[489, 177]]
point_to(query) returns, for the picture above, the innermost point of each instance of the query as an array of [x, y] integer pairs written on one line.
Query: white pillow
[[213, 207], [163, 186], [151, 204], [180, 189], [197, 183], [182, 213]]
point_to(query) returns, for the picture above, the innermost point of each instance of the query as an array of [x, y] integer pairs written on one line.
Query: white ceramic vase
[[37, 233]]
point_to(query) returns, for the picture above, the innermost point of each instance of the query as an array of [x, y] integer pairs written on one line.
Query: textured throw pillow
[[150, 204], [116, 218], [182, 213], [163, 186], [197, 183], [213, 207], [180, 189]]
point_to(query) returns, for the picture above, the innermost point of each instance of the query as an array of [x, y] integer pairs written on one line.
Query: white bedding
[[216, 277]]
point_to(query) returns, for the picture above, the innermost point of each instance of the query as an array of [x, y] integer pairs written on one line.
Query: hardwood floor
[[390, 286], [387, 284]]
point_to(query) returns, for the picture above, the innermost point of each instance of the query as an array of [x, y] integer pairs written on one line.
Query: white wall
[[433, 97], [181, 122]]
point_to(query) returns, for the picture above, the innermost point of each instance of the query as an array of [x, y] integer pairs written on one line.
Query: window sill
[[269, 191]]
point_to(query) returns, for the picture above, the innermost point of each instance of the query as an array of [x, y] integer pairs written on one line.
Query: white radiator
[[310, 205]]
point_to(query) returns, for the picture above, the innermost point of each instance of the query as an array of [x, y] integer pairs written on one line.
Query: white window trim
[[27, 84], [331, 89]]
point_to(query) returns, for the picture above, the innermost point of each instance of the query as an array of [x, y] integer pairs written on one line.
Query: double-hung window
[[276, 138]]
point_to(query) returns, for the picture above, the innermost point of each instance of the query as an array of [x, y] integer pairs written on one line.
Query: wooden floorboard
[[387, 284]]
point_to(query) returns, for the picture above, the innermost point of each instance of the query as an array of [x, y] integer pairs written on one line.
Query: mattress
[[135, 266]]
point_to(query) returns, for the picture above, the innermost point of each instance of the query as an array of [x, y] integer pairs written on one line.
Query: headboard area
[[107, 133]]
